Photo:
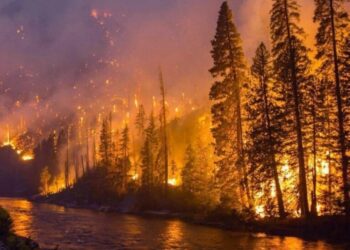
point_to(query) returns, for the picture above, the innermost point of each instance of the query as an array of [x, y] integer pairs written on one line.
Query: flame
[[324, 168], [260, 211], [286, 171], [273, 191], [173, 182], [136, 102], [135, 177], [27, 157]]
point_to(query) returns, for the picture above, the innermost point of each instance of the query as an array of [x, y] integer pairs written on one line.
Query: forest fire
[[27, 157], [264, 135], [173, 182]]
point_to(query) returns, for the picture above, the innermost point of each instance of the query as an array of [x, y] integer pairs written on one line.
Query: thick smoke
[[65, 57]]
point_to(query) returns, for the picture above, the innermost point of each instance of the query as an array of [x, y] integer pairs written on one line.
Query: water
[[52, 225]]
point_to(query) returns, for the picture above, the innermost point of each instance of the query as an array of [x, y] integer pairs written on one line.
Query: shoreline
[[313, 229], [9, 239]]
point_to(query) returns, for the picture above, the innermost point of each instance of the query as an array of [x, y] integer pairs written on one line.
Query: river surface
[[69, 228]]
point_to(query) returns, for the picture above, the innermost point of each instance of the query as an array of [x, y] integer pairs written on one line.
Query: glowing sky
[[81, 52]]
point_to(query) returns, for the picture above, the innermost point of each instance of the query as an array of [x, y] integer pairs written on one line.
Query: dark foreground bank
[[9, 240]]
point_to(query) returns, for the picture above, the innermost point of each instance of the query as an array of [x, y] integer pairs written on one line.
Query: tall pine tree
[[124, 154], [265, 122], [149, 153], [333, 26], [292, 67], [229, 71]]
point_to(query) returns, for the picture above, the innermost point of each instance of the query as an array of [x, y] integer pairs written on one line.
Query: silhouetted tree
[[229, 70]]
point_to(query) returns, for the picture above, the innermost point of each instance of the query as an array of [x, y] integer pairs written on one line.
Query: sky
[[60, 57]]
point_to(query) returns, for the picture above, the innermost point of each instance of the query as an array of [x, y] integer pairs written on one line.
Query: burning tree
[[292, 68], [266, 125], [330, 41], [229, 70]]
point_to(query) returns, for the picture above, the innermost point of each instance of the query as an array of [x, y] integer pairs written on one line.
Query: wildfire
[[136, 102], [135, 177], [286, 171], [324, 168], [9, 143], [260, 211], [27, 157], [173, 182]]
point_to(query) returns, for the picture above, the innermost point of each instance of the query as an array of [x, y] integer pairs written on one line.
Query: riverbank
[[332, 229], [9, 240]]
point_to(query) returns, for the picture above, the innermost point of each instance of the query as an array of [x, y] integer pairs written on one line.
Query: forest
[[273, 142]]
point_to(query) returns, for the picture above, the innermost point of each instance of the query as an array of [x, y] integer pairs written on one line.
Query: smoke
[[64, 59]]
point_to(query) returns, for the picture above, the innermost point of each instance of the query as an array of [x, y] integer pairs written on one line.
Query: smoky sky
[[58, 54]]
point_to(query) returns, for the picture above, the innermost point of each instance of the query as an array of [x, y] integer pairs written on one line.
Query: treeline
[[163, 160], [281, 126], [280, 130]]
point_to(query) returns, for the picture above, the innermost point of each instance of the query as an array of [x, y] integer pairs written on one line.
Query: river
[[71, 228]]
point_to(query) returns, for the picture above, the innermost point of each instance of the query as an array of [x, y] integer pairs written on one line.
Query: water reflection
[[173, 235], [83, 229], [21, 212]]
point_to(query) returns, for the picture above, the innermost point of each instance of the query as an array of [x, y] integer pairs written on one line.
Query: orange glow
[[27, 157], [135, 177], [324, 168], [94, 13], [173, 182], [260, 211]]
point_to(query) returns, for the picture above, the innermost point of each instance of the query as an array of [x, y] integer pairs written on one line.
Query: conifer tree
[[264, 116], [333, 26], [189, 171], [229, 72], [292, 66], [146, 165], [106, 146], [140, 121], [124, 153], [149, 152]]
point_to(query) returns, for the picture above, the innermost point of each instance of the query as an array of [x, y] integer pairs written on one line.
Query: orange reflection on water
[[173, 235], [21, 212], [292, 243]]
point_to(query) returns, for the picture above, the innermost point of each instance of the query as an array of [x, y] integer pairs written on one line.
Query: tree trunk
[[239, 141], [279, 195], [344, 161], [314, 168], [302, 175]]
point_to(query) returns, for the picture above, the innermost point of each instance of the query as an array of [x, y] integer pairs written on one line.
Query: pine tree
[[264, 116], [229, 71], [333, 26], [147, 165], [140, 120], [149, 152], [106, 146], [292, 66], [124, 153], [189, 171]]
